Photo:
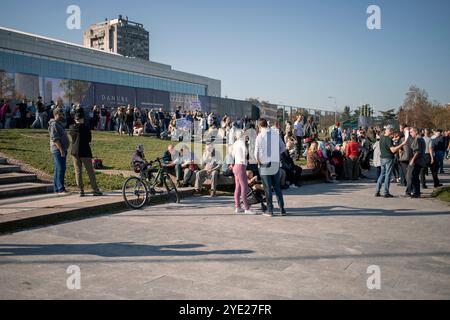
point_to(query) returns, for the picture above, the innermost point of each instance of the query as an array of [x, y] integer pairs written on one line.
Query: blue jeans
[[269, 182], [439, 155], [60, 171], [387, 165]]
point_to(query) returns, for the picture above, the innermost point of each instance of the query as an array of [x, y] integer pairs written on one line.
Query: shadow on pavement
[[349, 211], [253, 259], [120, 249]]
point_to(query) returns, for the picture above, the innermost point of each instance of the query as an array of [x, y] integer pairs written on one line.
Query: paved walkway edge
[[31, 219]]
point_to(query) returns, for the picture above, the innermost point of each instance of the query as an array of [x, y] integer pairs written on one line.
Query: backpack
[[335, 134], [97, 163]]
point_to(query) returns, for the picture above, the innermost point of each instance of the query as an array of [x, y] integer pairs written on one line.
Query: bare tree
[[6, 85]]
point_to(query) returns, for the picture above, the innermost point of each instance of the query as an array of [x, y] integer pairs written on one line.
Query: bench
[[227, 183]]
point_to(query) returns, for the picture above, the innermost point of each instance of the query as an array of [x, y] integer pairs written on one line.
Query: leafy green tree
[[346, 115]]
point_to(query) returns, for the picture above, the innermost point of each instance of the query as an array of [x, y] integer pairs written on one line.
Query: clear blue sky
[[295, 52]]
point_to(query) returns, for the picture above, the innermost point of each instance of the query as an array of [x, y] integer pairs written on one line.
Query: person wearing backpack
[[336, 134]]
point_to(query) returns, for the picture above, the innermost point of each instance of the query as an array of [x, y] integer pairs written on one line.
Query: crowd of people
[[248, 159], [405, 156]]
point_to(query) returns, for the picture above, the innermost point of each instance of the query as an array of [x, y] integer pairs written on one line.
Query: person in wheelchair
[[256, 190]]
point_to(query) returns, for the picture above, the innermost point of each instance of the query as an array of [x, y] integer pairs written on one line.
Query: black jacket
[[81, 138], [287, 162]]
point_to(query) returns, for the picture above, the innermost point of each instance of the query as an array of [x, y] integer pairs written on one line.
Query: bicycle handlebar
[[157, 160]]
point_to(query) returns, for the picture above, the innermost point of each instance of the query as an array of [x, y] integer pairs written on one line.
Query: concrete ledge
[[8, 168], [226, 183], [14, 177], [23, 189], [14, 222]]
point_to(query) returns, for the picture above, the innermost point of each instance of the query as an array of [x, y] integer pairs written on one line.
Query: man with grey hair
[[59, 143], [387, 150], [212, 164]]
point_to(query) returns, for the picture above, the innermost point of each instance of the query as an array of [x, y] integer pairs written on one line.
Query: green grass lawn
[[33, 148], [442, 194]]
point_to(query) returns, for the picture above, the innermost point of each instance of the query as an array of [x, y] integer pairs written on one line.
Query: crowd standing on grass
[[260, 157]]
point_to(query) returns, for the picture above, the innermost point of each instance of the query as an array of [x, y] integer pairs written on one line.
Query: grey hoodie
[[57, 132]]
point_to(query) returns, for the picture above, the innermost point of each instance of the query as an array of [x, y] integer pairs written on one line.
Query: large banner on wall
[[114, 96], [105, 94], [125, 96], [205, 103], [152, 99]]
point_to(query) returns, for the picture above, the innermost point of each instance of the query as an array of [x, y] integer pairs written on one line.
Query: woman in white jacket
[[240, 173]]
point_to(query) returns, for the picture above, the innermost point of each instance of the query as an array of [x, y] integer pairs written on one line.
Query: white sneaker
[[293, 186], [249, 212], [238, 210]]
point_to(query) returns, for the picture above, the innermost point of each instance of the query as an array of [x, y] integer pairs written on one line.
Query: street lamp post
[[335, 108]]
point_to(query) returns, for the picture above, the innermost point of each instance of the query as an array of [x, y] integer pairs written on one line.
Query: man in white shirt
[[268, 148], [212, 164], [298, 129]]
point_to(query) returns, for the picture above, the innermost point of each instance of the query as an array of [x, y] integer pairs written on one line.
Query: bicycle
[[153, 176]]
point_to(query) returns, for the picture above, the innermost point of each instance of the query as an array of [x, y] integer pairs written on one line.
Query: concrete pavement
[[200, 249]]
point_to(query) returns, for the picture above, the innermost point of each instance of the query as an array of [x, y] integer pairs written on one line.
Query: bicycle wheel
[[171, 189], [135, 193]]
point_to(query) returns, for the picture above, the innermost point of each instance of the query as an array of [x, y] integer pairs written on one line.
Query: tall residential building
[[120, 36]]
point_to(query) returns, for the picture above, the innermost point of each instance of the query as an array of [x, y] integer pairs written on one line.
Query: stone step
[[8, 168], [24, 189], [15, 177], [3, 161]]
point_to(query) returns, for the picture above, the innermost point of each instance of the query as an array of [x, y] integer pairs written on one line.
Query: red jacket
[[352, 150]]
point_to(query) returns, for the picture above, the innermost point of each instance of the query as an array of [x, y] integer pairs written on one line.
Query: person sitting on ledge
[[211, 170], [171, 163], [293, 172], [185, 168], [318, 164], [138, 128]]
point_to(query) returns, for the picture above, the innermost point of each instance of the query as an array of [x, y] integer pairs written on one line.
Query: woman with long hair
[[318, 164], [239, 152], [310, 131]]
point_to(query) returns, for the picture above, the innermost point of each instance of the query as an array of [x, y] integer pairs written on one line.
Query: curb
[[29, 220]]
